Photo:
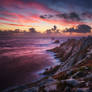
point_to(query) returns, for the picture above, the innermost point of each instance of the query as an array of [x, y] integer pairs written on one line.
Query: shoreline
[[74, 74], [40, 73]]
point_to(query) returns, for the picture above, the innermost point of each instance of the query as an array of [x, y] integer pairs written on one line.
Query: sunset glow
[[45, 45], [42, 15]]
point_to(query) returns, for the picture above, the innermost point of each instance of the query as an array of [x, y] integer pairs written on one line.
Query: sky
[[44, 14]]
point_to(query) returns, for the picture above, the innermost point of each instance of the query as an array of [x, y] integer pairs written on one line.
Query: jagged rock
[[42, 89], [88, 90], [82, 84], [72, 82], [51, 70], [89, 76], [61, 86], [90, 84], [68, 89], [79, 90], [79, 74], [34, 89], [74, 52], [56, 41], [51, 86]]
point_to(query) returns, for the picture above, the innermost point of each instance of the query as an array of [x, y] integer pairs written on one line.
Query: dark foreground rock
[[73, 75], [56, 41]]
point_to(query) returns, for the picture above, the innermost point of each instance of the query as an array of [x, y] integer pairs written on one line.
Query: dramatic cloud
[[82, 4], [9, 24], [67, 16], [71, 16], [2, 8], [87, 15], [53, 30], [80, 29], [62, 13], [32, 30], [46, 16]]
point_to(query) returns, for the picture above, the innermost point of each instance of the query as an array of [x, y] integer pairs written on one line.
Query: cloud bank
[[80, 29]]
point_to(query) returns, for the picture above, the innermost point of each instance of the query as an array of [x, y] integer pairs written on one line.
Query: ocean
[[23, 58]]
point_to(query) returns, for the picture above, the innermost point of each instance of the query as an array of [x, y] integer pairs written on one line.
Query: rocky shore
[[74, 74]]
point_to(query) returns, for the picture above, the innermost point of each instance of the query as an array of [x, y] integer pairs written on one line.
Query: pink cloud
[[24, 16]]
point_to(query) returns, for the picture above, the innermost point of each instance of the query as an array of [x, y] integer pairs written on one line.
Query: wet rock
[[50, 86], [42, 89], [88, 90], [51, 70], [30, 90], [55, 50], [61, 86], [56, 41], [79, 74], [72, 82], [88, 78], [67, 89], [82, 84], [90, 84], [71, 72], [79, 90]]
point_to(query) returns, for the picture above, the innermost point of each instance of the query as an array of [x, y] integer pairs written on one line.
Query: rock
[[74, 52], [89, 76], [34, 89], [42, 89], [67, 89], [82, 84], [61, 86], [90, 84], [79, 74], [55, 50], [50, 87], [56, 41], [88, 90], [79, 90], [72, 82]]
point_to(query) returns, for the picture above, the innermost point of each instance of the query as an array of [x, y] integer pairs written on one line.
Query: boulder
[[72, 82], [56, 41], [79, 90]]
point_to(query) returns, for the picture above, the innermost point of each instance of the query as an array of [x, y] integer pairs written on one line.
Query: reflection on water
[[21, 59]]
